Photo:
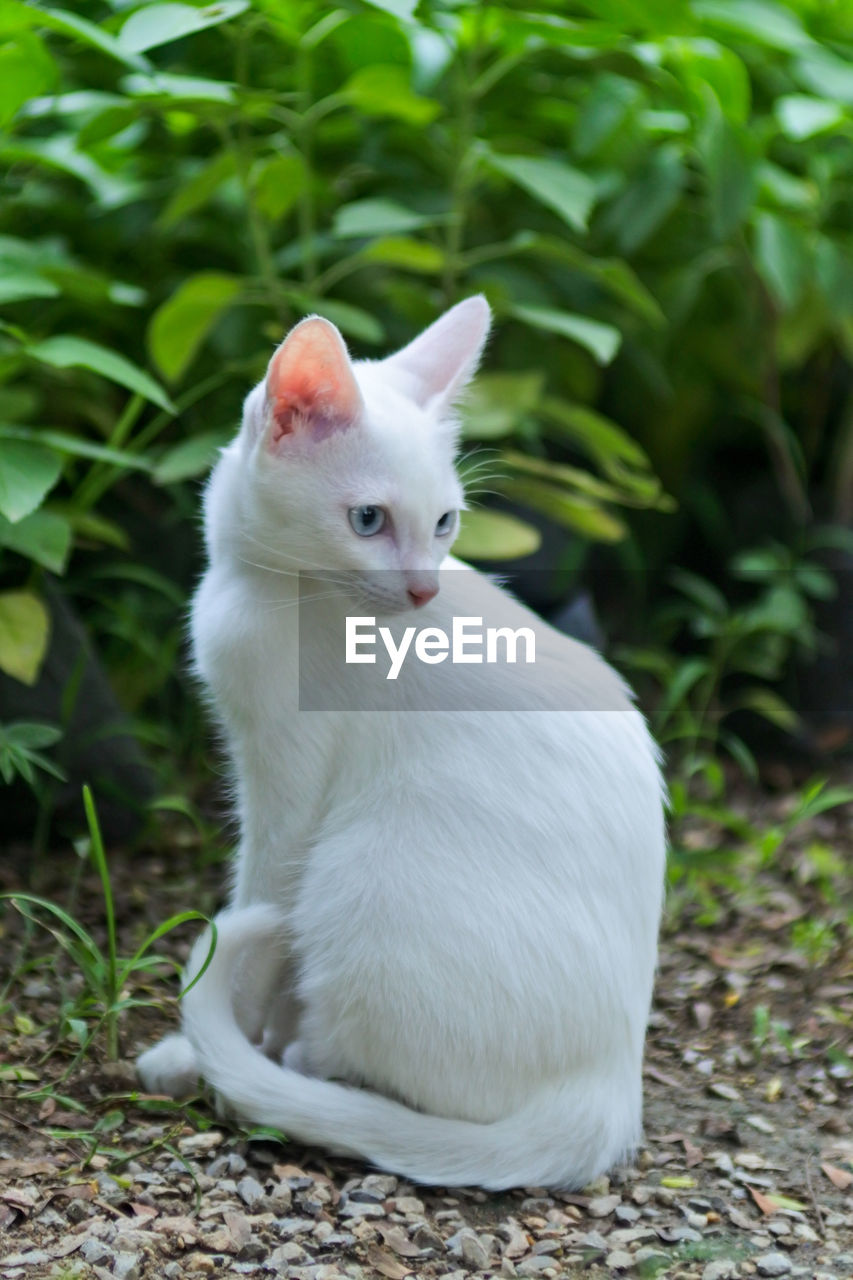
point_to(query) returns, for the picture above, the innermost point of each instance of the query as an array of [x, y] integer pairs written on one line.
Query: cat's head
[[348, 467]]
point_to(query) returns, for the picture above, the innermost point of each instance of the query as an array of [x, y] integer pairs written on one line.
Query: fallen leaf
[[693, 1154], [28, 1168], [678, 1184], [763, 1202], [9, 1071], [386, 1264], [773, 1089], [238, 1225], [47, 1109], [77, 1191], [396, 1239], [143, 1212], [66, 1246], [661, 1077], [19, 1199], [703, 1013], [839, 1178], [771, 1203]]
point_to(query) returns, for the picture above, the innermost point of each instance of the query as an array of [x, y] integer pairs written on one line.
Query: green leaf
[[42, 536], [19, 284], [377, 217], [701, 592], [583, 515], [651, 195], [190, 458], [604, 440], [708, 68], [574, 478], [780, 257], [26, 69], [729, 165], [406, 253], [768, 704], [494, 535], [611, 274], [70, 24], [397, 8], [33, 735], [60, 151], [27, 473], [497, 403], [67, 351], [757, 20], [601, 340], [182, 89], [826, 75], [801, 116], [278, 183], [603, 110], [24, 631], [351, 320], [570, 193], [779, 187], [385, 91], [159, 24], [676, 689], [181, 324], [74, 446], [195, 191]]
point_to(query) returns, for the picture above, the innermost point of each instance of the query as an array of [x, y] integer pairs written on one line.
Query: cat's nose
[[422, 595]]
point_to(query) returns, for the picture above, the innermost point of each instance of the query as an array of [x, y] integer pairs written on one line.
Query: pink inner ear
[[310, 384]]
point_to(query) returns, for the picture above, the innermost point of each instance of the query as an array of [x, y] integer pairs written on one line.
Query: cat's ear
[[310, 387], [439, 362]]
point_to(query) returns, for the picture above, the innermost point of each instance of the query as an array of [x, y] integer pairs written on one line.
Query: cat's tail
[[565, 1135]]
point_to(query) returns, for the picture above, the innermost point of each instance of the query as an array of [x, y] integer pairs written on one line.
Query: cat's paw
[[169, 1067]]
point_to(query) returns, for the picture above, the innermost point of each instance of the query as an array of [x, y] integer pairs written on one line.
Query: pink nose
[[422, 595]]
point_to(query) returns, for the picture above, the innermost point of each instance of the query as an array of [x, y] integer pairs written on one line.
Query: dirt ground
[[746, 1169]]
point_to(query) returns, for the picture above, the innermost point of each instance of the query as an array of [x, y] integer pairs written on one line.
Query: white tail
[[567, 1133]]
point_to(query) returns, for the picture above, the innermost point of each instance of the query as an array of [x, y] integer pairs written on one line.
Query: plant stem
[[100, 860], [101, 475], [461, 182], [305, 135]]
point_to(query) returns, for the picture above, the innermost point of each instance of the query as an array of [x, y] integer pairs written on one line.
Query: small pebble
[[126, 1266], [720, 1269], [773, 1264], [538, 1266], [726, 1091], [602, 1206], [250, 1191], [199, 1144], [95, 1251]]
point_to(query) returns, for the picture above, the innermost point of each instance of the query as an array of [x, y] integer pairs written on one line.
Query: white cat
[[446, 921]]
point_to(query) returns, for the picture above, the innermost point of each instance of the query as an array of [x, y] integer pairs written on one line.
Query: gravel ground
[[747, 1167]]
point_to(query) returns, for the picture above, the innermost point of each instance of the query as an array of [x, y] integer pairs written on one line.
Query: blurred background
[[657, 198]]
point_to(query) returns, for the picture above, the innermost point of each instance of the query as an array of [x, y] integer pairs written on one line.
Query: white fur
[[453, 913]]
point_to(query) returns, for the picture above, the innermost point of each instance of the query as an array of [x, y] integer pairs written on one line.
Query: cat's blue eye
[[366, 520], [445, 523]]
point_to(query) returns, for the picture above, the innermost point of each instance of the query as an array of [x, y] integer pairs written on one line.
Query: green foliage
[[655, 197], [104, 997], [22, 747], [718, 655]]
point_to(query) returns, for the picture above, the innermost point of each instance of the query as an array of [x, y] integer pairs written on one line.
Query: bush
[[661, 222]]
